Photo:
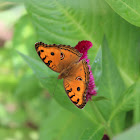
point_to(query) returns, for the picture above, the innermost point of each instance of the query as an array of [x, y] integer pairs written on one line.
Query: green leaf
[[137, 102], [127, 100], [96, 67], [61, 124], [127, 9], [125, 103], [111, 85], [98, 98], [95, 133], [131, 134], [123, 39], [28, 88], [70, 22]]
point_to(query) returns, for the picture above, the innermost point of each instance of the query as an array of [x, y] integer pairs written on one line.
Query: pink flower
[[83, 47]]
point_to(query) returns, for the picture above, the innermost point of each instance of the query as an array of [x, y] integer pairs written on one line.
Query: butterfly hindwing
[[76, 84], [57, 57]]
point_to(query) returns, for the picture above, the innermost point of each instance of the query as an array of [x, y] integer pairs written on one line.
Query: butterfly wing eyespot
[[76, 84], [79, 78], [69, 54], [62, 56]]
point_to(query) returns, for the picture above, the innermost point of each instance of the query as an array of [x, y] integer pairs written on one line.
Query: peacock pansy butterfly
[[64, 59]]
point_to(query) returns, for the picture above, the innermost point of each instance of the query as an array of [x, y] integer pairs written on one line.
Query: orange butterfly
[[65, 60]]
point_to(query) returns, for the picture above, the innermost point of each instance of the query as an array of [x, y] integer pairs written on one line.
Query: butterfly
[[64, 59]]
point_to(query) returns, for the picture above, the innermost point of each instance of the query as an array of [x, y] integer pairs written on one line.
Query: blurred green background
[[29, 107]]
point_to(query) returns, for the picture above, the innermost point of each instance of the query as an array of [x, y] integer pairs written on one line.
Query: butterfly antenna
[[55, 87]]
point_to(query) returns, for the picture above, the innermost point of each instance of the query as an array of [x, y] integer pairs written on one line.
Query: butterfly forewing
[[57, 57], [50, 55]]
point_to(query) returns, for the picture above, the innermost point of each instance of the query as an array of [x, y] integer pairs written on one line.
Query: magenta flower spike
[[83, 47]]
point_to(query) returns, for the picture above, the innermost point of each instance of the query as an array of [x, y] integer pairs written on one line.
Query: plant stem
[[101, 119]]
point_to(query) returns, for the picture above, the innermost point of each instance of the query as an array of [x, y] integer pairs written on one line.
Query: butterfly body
[[75, 74], [65, 72]]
